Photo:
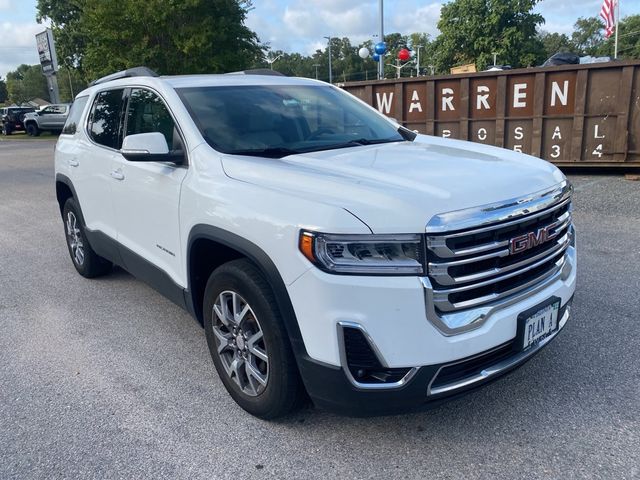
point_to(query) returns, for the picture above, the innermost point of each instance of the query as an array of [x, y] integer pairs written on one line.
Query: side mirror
[[148, 147]]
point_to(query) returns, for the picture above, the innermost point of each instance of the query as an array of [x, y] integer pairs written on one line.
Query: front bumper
[[332, 388], [393, 314]]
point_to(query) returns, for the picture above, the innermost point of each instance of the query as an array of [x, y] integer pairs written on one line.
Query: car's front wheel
[[87, 262], [32, 130], [248, 342], [6, 129]]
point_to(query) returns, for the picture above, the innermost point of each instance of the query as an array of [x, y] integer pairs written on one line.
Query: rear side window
[[104, 122], [71, 125]]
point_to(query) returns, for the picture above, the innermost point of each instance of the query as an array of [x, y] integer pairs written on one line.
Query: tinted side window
[[105, 118], [147, 113], [71, 125]]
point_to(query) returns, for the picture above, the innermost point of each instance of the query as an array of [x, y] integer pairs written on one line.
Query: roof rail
[[258, 71], [131, 72]]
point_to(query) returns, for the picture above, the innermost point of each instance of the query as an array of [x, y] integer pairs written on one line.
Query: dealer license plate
[[540, 325]]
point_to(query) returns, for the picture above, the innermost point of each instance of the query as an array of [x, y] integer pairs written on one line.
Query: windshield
[[280, 120]]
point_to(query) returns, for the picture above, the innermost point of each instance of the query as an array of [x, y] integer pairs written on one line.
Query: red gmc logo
[[529, 240]]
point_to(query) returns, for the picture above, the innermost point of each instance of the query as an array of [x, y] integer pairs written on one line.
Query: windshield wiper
[[353, 143], [269, 152]]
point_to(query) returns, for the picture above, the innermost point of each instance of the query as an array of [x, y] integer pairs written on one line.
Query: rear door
[[92, 161], [147, 196]]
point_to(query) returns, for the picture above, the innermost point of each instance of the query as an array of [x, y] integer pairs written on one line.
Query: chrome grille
[[476, 266]]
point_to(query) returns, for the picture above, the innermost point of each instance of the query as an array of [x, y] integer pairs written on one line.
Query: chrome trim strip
[[500, 211], [444, 278], [438, 244], [343, 361], [497, 296], [506, 276], [494, 370]]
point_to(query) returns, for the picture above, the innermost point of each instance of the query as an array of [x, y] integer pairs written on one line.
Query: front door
[[147, 195]]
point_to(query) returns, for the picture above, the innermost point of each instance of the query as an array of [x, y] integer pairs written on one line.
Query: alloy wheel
[[240, 343], [75, 239]]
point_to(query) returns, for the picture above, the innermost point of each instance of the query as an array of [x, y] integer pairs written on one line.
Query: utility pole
[[381, 62], [330, 70], [418, 47], [495, 58], [316, 65]]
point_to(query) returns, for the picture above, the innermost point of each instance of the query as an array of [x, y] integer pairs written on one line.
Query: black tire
[[6, 129], [32, 129], [283, 391], [89, 264]]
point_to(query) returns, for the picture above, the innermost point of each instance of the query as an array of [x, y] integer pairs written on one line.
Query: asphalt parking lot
[[107, 379]]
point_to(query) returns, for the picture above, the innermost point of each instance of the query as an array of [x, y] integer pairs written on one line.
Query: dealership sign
[[47, 52]]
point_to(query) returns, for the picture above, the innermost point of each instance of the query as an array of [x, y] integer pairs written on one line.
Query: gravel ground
[[107, 379]]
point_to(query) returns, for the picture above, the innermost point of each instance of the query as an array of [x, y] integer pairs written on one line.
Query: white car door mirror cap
[[153, 143]]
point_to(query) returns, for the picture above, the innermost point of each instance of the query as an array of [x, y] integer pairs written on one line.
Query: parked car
[[12, 119], [323, 247], [51, 118]]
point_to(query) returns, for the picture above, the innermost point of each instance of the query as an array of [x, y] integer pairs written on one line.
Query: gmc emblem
[[529, 240]]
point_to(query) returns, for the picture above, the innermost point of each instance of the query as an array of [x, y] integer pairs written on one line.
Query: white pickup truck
[[324, 248]]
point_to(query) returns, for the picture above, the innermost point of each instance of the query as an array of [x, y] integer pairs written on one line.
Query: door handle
[[74, 163], [117, 174]]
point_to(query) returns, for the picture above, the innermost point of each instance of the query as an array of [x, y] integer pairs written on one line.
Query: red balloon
[[404, 54]]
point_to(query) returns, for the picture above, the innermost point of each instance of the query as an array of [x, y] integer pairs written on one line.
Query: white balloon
[[363, 52]]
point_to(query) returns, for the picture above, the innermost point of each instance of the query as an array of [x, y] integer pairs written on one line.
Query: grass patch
[[22, 136]]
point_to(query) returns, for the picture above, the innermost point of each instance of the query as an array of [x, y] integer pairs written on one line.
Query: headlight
[[364, 254]]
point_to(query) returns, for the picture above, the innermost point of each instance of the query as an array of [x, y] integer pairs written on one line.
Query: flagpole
[[615, 48]]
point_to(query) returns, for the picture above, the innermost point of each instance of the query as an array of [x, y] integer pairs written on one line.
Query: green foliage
[[628, 39], [4, 94], [472, 30], [555, 43], [26, 83], [170, 36], [587, 36], [70, 83]]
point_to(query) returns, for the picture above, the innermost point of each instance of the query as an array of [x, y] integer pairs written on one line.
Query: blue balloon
[[376, 57], [381, 48]]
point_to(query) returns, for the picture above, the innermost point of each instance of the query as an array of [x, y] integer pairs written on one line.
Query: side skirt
[[139, 267]]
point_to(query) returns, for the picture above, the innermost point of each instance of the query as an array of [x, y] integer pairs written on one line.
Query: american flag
[[609, 17]]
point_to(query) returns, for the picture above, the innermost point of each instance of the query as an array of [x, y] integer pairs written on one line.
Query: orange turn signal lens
[[306, 246]]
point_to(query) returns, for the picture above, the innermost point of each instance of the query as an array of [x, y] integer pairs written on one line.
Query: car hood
[[398, 187]]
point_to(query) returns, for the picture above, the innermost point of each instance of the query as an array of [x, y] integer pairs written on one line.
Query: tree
[[473, 30], [70, 83], [628, 39], [172, 37], [4, 94], [555, 42], [587, 38], [26, 83]]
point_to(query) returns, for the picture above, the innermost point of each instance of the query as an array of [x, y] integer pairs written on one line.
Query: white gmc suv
[[325, 249]]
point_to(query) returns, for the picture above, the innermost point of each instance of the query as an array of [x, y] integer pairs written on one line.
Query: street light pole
[[418, 47], [316, 65], [271, 61], [330, 70]]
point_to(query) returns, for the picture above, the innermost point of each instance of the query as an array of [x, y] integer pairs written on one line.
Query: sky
[[300, 25]]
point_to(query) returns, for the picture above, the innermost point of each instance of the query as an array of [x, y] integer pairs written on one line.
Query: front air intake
[[363, 363]]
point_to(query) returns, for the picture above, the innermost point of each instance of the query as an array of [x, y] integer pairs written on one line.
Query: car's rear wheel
[[32, 130], [87, 262], [248, 342]]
